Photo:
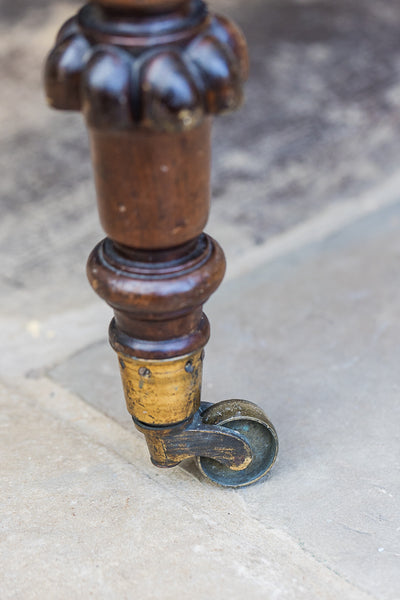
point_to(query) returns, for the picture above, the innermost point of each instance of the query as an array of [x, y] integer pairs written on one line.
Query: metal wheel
[[250, 421]]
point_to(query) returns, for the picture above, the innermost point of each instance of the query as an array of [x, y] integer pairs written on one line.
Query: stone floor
[[307, 324]]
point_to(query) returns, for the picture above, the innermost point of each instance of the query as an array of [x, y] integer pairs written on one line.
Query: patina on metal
[[149, 76], [250, 421], [169, 446]]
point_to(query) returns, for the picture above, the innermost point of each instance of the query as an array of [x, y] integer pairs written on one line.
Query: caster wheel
[[249, 420]]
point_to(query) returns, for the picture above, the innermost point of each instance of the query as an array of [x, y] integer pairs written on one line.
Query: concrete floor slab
[[83, 517]]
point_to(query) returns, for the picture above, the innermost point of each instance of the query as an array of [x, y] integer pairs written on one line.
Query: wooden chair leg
[[149, 75]]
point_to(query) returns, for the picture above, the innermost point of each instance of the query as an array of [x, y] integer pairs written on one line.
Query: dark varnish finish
[[149, 75]]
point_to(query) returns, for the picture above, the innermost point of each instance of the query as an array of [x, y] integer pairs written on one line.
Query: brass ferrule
[[162, 392]]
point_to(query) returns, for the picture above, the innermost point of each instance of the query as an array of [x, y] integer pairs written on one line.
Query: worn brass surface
[[162, 392], [170, 445]]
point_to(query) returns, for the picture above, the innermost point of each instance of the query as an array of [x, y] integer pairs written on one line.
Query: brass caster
[[170, 445], [249, 421], [233, 442]]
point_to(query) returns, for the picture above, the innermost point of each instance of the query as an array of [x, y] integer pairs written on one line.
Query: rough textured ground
[[306, 205]]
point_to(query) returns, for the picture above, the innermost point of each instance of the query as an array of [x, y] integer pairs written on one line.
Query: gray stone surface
[[313, 338], [83, 517]]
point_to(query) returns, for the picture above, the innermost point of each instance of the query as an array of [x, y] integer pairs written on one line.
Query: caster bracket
[[168, 446]]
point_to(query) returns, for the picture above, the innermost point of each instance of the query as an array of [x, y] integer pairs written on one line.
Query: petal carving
[[70, 27], [63, 70], [106, 89], [171, 87], [222, 84], [170, 98], [228, 33]]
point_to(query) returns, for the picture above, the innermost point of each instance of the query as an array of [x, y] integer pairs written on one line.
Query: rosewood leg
[[149, 75]]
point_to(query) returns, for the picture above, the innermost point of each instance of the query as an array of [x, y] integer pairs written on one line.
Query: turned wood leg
[[149, 75]]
